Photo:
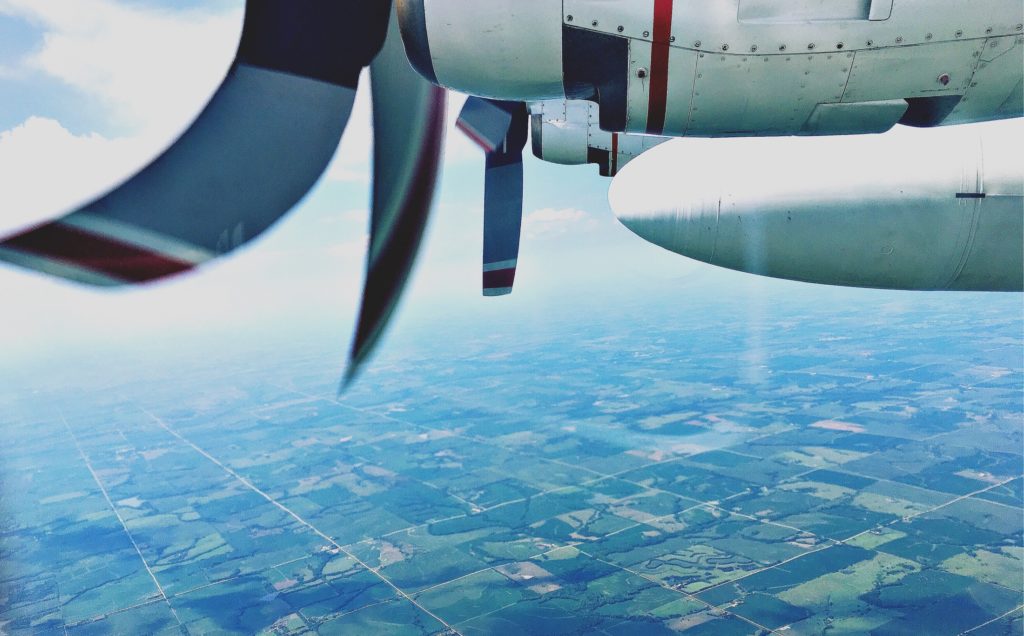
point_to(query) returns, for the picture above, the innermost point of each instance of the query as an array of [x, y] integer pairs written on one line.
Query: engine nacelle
[[910, 209], [499, 49], [732, 68], [567, 132]]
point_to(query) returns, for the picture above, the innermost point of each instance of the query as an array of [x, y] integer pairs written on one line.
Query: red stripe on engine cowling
[[96, 253], [615, 154], [499, 278], [658, 101]]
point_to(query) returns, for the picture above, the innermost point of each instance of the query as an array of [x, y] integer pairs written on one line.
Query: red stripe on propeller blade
[[96, 253], [499, 278], [475, 137]]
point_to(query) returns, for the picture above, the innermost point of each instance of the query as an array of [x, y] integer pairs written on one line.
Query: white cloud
[[551, 222], [45, 169], [352, 160], [150, 70], [351, 251], [355, 215], [153, 69]]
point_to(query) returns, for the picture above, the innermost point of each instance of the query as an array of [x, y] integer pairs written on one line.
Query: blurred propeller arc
[[408, 135], [258, 146]]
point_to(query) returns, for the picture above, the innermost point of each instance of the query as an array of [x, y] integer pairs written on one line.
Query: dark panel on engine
[[596, 68], [926, 112]]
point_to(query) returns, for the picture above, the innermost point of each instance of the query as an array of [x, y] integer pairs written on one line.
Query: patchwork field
[[592, 479]]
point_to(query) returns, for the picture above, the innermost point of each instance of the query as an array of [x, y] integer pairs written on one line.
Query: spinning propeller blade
[[408, 130], [258, 146], [500, 129]]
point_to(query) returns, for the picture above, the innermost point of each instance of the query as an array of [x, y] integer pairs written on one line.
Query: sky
[[90, 90]]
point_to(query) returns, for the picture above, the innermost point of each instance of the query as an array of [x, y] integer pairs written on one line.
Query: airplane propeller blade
[[500, 129], [408, 130], [259, 145]]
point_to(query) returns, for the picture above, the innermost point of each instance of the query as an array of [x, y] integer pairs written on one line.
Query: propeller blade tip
[[497, 291], [348, 378]]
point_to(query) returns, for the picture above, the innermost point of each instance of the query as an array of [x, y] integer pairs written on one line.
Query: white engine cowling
[[505, 49]]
